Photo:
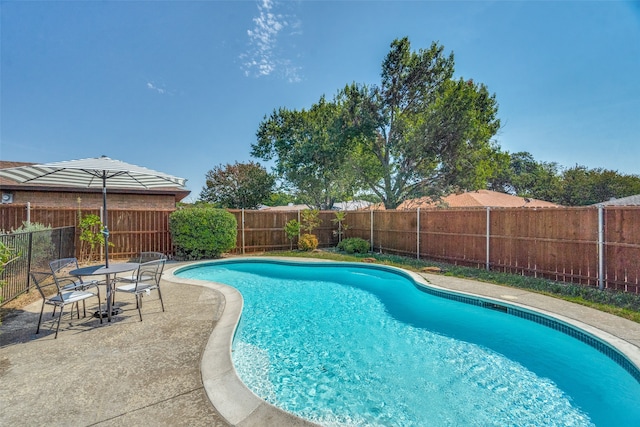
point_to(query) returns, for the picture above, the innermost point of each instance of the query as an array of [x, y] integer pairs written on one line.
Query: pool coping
[[240, 406]]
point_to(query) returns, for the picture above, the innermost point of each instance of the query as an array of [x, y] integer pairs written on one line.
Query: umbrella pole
[[105, 233], [105, 230]]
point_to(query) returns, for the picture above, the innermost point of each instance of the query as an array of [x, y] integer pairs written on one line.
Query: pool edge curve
[[237, 404]]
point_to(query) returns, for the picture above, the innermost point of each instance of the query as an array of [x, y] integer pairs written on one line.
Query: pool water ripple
[[371, 349]]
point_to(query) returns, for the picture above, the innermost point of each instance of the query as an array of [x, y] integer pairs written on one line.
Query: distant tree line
[[420, 132], [574, 186]]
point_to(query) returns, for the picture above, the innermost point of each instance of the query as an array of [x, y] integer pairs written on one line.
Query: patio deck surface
[[174, 368]]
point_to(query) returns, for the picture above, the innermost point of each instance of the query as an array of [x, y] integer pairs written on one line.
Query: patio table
[[102, 270]]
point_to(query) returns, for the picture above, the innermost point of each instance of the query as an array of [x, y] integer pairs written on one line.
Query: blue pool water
[[346, 344]]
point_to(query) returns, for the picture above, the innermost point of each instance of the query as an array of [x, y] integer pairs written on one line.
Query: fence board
[[395, 233], [560, 244], [264, 230], [358, 225], [622, 250], [453, 235]]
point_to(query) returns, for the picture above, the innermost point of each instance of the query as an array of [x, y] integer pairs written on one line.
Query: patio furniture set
[[142, 276]]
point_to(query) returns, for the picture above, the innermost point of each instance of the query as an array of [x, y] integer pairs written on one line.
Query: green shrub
[[310, 220], [91, 237], [354, 245], [7, 254], [342, 227], [292, 230], [308, 242], [42, 246], [202, 232]]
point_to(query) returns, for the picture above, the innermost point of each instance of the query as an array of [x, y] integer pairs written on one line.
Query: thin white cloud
[[264, 57], [153, 87]]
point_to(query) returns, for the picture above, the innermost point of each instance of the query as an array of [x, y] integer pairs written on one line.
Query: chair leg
[[60, 318], [99, 304], [139, 304], [40, 318], [160, 295]]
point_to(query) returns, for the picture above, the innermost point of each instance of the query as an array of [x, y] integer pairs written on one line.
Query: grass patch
[[621, 304]]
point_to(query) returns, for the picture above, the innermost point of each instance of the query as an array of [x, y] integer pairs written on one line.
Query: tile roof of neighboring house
[[373, 207], [479, 198], [623, 201]]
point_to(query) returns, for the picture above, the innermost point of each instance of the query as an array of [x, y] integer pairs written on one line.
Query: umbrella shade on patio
[[101, 172]]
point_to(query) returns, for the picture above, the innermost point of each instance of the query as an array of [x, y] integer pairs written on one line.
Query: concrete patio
[[174, 368], [124, 373]]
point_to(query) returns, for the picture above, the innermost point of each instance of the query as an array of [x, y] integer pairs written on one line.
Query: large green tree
[[280, 198], [309, 154], [238, 186], [582, 186], [575, 186], [526, 177], [420, 132]]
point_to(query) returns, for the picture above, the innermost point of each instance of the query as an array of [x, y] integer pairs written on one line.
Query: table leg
[[110, 310], [109, 291]]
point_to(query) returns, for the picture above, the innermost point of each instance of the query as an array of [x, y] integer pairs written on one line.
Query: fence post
[[59, 254], [488, 236], [242, 220], [30, 252], [418, 236], [373, 249], [600, 247], [28, 213]]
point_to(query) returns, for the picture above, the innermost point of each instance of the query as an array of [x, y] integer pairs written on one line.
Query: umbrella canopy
[[101, 172]]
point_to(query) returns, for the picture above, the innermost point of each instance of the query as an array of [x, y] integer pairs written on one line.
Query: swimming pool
[[403, 356]]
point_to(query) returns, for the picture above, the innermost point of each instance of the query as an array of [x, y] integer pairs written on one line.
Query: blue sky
[[181, 86]]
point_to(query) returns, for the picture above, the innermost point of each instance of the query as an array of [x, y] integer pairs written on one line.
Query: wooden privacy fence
[[590, 246], [130, 231], [260, 231]]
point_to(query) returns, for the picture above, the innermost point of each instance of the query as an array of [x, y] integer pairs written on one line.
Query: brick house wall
[[85, 199]]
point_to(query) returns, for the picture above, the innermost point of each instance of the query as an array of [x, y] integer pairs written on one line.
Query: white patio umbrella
[[101, 172]]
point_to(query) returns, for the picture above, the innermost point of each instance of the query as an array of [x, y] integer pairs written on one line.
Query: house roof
[[623, 201], [352, 205], [11, 185], [4, 164], [476, 199], [289, 207]]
